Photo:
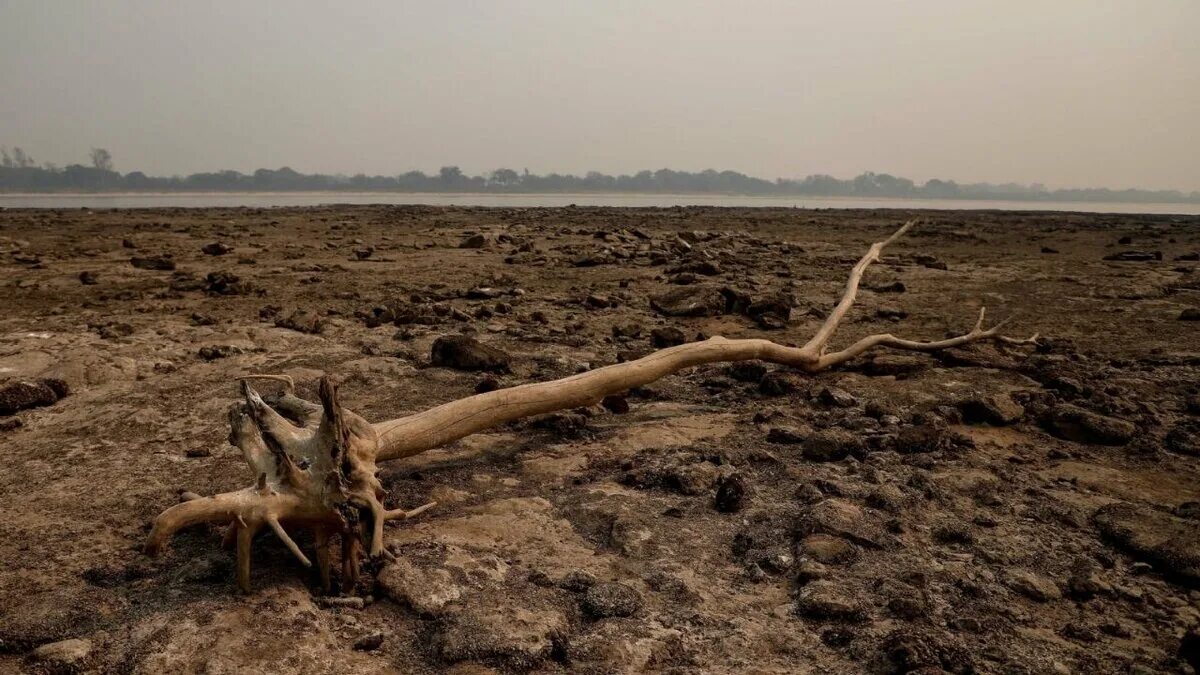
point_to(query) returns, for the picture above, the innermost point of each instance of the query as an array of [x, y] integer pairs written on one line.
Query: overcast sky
[[1064, 92]]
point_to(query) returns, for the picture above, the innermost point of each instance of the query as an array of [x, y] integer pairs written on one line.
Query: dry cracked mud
[[992, 510]]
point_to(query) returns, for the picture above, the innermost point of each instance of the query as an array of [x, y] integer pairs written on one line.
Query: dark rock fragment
[[1073, 423], [160, 262], [17, 395], [463, 352]]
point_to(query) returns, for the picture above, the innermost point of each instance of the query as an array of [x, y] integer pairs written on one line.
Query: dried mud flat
[[982, 510]]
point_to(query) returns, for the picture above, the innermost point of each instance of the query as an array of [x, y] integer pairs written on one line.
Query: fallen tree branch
[[315, 465]]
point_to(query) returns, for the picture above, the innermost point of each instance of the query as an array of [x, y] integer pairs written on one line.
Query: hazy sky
[[1065, 92]]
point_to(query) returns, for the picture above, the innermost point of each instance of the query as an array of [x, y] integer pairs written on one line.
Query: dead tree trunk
[[315, 465]]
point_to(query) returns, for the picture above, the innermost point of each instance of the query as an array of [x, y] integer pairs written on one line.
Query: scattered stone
[[732, 493], [474, 241], [214, 352], [837, 397], [787, 435], [1169, 543], [829, 601], [698, 300], [88, 278], [616, 404], [369, 642], [996, 409], [831, 445], [1032, 586], [486, 384], [1184, 438], [779, 382], [1189, 314], [843, 519], [160, 263], [828, 549], [17, 395], [303, 321], [747, 371], [611, 599], [578, 581], [463, 352], [670, 336], [216, 248], [1073, 423], [226, 283]]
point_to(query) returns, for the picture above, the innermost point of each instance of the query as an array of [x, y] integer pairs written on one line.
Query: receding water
[[264, 200]]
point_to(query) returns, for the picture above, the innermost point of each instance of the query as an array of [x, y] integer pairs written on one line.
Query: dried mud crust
[[985, 510]]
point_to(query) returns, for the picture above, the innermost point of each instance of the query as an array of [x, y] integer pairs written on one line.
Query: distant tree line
[[20, 173]]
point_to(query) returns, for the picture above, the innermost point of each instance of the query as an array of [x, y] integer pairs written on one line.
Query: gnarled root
[[314, 465]]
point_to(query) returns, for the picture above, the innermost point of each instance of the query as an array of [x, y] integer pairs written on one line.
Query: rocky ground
[[1007, 510]]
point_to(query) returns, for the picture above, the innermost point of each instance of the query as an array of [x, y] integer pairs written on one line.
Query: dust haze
[[1065, 93]]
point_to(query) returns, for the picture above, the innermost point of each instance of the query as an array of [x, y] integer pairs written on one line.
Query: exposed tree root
[[314, 465]]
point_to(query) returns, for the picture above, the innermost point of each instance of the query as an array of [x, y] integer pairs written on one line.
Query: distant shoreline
[[301, 199], [615, 195]]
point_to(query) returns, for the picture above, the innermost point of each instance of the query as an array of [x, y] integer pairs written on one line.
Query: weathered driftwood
[[315, 465]]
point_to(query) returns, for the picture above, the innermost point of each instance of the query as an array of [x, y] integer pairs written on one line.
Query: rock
[[486, 384], [496, 629], [463, 352], [779, 382], [828, 549], [369, 642], [831, 445], [611, 599], [698, 300], [578, 581], [1169, 543], [772, 312], [1184, 438], [924, 652], [17, 395], [426, 590], [1083, 426], [997, 410], [160, 262], [829, 601], [214, 352], [787, 435], [747, 371], [837, 397], [843, 519], [88, 278], [474, 241], [670, 336], [1033, 586], [1189, 314], [64, 656], [886, 498], [732, 493], [616, 404], [226, 283], [303, 321], [216, 248], [924, 438]]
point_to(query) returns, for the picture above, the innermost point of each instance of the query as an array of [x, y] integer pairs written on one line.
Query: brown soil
[[591, 542]]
